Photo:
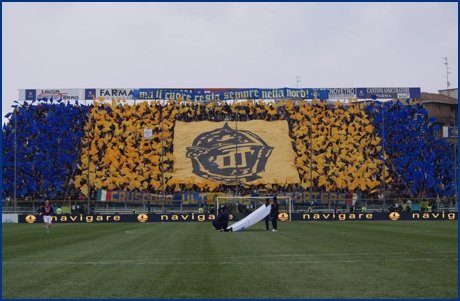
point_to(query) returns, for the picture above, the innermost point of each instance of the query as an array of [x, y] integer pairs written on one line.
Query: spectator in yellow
[[424, 206], [200, 210], [363, 208], [59, 210]]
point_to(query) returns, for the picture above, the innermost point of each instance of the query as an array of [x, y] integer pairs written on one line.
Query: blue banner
[[388, 93], [452, 132], [31, 95], [207, 198], [253, 93]]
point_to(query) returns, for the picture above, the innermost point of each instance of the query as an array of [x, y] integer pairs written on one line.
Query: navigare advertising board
[[209, 217], [120, 218], [368, 216]]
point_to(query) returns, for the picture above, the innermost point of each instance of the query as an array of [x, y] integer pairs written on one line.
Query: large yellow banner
[[254, 151]]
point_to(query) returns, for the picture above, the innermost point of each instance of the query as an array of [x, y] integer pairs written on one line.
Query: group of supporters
[[40, 144], [61, 146], [420, 163]]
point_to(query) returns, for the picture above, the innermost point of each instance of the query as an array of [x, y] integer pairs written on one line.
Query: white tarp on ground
[[251, 219]]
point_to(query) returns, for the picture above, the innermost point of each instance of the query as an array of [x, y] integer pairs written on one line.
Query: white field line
[[222, 262], [184, 260], [306, 254]]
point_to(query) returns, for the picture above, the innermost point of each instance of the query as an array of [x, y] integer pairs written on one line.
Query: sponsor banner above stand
[[75, 94], [109, 93], [129, 93], [388, 93], [55, 94], [217, 95], [450, 132], [340, 93]]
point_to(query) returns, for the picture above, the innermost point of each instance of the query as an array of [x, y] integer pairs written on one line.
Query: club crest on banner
[[216, 154], [254, 151]]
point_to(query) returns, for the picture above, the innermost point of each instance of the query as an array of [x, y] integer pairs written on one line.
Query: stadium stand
[[54, 139], [48, 145], [421, 163]]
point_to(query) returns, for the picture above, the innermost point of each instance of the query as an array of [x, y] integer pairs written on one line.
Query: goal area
[[246, 204]]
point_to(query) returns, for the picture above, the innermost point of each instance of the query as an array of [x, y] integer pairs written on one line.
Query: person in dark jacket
[[267, 218], [274, 214], [216, 223], [352, 209], [225, 217], [392, 208]]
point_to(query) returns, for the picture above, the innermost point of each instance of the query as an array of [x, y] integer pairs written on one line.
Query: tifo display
[[236, 147]]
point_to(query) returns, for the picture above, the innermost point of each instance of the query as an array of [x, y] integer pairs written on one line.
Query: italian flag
[[353, 198], [104, 195]]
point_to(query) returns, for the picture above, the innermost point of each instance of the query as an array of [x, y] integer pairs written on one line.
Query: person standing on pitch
[[225, 217], [267, 218], [274, 214], [216, 222], [47, 211]]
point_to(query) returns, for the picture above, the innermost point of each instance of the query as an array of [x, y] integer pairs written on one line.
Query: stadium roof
[[437, 98]]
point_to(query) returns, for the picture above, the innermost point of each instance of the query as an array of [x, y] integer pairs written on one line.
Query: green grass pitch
[[351, 259]]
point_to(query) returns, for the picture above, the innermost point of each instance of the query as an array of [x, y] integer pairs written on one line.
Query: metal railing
[[77, 207]]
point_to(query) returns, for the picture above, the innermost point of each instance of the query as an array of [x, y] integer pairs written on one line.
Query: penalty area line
[[220, 262], [301, 255]]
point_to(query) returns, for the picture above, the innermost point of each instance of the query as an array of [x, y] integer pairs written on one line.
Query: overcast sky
[[227, 45]]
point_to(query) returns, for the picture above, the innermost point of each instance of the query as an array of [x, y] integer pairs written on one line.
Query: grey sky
[[220, 45]]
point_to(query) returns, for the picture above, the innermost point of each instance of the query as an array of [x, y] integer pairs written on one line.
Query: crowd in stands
[[48, 139], [421, 163], [56, 142], [343, 143]]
